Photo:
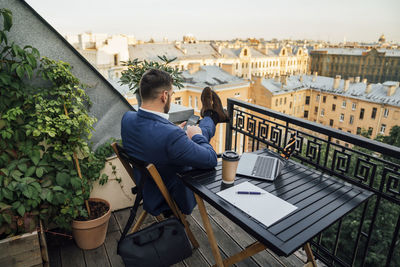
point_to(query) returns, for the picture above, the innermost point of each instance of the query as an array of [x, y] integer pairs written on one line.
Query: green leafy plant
[[46, 165], [136, 68]]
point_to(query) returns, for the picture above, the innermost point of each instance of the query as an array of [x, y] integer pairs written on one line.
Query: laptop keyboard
[[263, 167]]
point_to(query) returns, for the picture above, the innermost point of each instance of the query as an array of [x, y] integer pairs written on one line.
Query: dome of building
[[382, 39]]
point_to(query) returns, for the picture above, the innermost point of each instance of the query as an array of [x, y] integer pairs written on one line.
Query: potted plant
[[46, 165], [136, 68]]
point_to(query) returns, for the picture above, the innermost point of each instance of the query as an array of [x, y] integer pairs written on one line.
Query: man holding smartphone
[[148, 136]]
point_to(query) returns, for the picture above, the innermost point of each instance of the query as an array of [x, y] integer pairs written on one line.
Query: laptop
[[265, 167]]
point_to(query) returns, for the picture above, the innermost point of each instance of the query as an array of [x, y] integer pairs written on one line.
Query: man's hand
[[182, 125], [193, 130]]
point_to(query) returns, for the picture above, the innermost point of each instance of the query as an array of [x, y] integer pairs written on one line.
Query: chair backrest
[[147, 170]]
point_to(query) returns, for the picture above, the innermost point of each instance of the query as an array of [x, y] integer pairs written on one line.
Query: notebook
[[265, 167], [265, 208]]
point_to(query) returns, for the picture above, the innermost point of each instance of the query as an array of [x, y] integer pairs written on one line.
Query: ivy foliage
[[41, 128]]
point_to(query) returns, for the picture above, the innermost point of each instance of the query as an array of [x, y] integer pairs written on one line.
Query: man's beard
[[167, 105]]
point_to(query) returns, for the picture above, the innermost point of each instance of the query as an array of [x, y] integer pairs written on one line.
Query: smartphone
[[193, 120]]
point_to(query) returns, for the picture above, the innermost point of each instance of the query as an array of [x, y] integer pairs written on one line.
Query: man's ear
[[164, 97]]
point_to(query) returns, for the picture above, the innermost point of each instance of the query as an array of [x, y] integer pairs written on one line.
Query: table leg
[[210, 233], [244, 254], [310, 256]]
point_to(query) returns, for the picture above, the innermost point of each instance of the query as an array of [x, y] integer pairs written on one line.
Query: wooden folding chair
[[150, 170]]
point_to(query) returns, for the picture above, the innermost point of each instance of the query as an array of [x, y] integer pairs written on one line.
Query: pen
[[248, 193]]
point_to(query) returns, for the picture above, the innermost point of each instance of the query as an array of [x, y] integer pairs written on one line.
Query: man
[[148, 136]]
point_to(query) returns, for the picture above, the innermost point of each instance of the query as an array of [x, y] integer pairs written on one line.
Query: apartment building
[[376, 65], [341, 104]]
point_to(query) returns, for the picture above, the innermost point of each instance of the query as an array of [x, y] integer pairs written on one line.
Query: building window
[[237, 65], [245, 52], [307, 100], [361, 114], [284, 100], [351, 119], [316, 110], [354, 106], [383, 128], [280, 101], [386, 113], [276, 102], [330, 122], [322, 112], [305, 113], [370, 130], [344, 104], [190, 101], [290, 105], [333, 107], [324, 99], [358, 130], [373, 115], [237, 94], [341, 117], [317, 98], [242, 65], [178, 100], [196, 102]]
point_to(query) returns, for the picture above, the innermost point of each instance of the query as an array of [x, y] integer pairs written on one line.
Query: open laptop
[[265, 167]]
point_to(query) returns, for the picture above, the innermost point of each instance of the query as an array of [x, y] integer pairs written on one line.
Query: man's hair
[[153, 82]]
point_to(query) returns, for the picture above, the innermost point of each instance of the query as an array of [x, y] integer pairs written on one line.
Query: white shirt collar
[[163, 115]]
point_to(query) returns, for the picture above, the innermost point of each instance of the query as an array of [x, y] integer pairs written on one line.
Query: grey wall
[[108, 105]]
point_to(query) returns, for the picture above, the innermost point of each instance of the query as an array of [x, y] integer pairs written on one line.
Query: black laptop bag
[[160, 244]]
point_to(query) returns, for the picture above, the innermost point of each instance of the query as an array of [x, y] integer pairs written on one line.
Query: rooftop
[[357, 51], [211, 76], [377, 94]]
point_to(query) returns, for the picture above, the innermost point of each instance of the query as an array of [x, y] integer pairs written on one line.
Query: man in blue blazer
[[148, 136]]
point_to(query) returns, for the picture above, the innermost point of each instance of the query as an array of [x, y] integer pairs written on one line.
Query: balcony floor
[[231, 239]]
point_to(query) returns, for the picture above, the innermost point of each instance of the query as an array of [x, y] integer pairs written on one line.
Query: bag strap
[[134, 209]]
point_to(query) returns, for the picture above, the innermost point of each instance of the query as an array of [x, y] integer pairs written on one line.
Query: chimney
[[315, 76], [368, 88], [284, 80], [220, 49], [365, 80], [391, 88], [357, 79], [266, 50], [346, 85], [336, 82], [276, 78], [228, 68], [301, 78], [193, 67], [351, 79], [178, 45]]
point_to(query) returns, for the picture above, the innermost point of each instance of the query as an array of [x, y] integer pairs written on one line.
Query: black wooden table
[[320, 199]]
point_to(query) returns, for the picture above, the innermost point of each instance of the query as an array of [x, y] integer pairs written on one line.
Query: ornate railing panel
[[368, 236]]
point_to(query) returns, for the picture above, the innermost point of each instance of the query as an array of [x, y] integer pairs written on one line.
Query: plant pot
[[91, 234]]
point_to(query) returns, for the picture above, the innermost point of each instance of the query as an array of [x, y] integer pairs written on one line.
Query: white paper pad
[[265, 208]]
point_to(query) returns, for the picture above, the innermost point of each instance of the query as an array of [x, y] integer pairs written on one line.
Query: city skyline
[[362, 21]]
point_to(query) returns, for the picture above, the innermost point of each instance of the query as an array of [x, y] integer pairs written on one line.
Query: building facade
[[334, 102], [376, 65]]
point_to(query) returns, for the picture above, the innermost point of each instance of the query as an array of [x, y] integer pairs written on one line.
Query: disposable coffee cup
[[230, 161]]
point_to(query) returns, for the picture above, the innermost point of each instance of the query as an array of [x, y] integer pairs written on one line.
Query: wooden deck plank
[[96, 257], [54, 257], [112, 224], [225, 242], [111, 244], [264, 258], [71, 255], [121, 217], [196, 259]]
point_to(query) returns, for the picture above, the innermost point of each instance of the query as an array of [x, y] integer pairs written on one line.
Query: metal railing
[[369, 235]]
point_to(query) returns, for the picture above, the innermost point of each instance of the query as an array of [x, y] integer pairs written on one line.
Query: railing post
[[228, 136]]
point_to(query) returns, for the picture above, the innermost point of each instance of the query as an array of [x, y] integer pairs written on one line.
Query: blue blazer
[[153, 139]]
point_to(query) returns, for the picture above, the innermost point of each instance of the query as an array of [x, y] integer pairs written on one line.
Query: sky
[[329, 20]]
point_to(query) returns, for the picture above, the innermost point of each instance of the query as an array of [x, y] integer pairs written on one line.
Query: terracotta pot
[[91, 234]]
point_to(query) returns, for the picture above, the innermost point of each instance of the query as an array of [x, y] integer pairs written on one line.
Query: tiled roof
[[378, 93]]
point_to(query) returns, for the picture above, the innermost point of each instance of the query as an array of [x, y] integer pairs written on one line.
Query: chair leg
[[139, 221], [159, 218], [244, 254]]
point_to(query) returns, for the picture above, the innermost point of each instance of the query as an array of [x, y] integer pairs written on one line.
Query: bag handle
[[149, 237]]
